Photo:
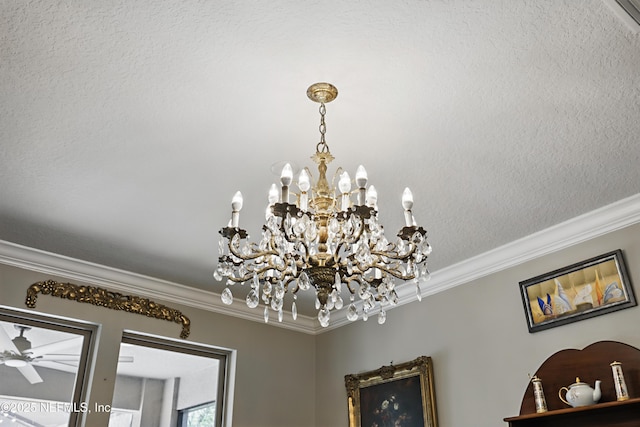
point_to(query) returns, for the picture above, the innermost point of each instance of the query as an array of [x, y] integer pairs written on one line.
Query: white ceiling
[[126, 127]]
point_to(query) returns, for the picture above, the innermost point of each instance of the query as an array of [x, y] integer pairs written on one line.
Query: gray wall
[[275, 379], [478, 339]]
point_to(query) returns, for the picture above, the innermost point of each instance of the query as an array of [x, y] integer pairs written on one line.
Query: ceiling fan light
[[15, 362]]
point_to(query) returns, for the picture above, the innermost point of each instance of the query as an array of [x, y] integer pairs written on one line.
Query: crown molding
[[127, 282], [626, 12], [601, 221]]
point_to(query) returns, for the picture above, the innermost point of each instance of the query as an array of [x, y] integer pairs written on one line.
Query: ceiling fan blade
[[53, 347], [6, 344], [30, 374], [58, 358], [65, 365]]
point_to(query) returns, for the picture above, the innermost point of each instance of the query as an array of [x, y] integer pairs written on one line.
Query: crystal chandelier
[[324, 241]]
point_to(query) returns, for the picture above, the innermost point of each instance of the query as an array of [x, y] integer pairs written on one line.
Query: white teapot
[[580, 394]]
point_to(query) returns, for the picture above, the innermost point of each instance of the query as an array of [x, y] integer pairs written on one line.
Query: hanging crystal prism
[[276, 304], [252, 299], [418, 290], [323, 317], [227, 296], [352, 313], [425, 275], [382, 317], [303, 281]]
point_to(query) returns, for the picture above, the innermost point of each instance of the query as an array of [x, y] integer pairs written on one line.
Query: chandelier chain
[[322, 146]]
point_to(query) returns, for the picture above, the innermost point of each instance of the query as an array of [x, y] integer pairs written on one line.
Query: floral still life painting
[[393, 396], [590, 288], [392, 404]]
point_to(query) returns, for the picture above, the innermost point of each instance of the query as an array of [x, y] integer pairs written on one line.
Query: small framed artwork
[[587, 289], [394, 395]]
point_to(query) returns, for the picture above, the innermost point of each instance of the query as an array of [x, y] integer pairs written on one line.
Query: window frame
[[183, 413], [226, 365], [89, 331]]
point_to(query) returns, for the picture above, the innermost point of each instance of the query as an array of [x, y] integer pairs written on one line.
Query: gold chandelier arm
[[336, 174], [252, 255], [393, 253], [258, 272], [358, 273], [394, 273], [295, 289], [348, 283], [336, 257]]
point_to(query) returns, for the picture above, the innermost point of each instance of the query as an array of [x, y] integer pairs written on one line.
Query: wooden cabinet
[[590, 364]]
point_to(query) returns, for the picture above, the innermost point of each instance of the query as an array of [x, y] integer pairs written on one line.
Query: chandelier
[[323, 241]]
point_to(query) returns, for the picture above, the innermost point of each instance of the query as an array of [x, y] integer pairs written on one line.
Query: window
[[198, 416], [43, 368], [169, 383]]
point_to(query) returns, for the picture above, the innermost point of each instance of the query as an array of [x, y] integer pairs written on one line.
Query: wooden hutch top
[[590, 364]]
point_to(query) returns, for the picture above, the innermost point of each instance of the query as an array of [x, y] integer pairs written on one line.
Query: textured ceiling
[[126, 127]]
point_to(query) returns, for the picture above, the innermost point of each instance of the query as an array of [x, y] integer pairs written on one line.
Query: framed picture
[[393, 396], [587, 289]]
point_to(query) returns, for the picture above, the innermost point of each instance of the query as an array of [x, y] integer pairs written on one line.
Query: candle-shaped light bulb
[[236, 205], [344, 185], [236, 201], [287, 175], [273, 194], [372, 197], [361, 182], [345, 182], [407, 199], [361, 177], [285, 179], [407, 204], [304, 183]]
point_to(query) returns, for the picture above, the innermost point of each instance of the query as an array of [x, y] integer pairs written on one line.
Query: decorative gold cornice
[[105, 298]]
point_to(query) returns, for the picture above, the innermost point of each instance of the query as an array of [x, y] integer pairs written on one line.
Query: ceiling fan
[[19, 353]]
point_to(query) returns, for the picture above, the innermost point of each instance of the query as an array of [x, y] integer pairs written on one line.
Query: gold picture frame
[[393, 395]]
